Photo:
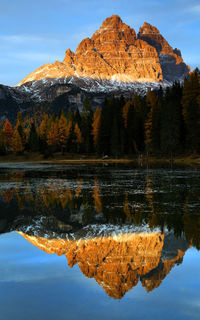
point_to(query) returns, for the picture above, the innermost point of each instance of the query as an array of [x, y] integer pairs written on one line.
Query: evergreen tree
[[128, 132], [86, 125], [105, 126], [95, 127], [8, 134], [69, 134], [17, 145], [33, 141], [125, 112], [172, 120], [20, 127], [70, 115], [63, 132], [2, 143], [44, 128], [115, 139], [78, 137], [53, 136], [191, 111], [136, 124], [139, 122], [152, 123]]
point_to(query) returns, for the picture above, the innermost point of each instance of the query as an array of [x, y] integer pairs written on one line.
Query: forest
[[164, 122]]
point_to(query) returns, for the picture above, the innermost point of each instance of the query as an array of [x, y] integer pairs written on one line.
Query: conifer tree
[[19, 124], [8, 134], [172, 120], [17, 145], [128, 120], [69, 115], [53, 136], [2, 143], [138, 124], [95, 126], [44, 127], [20, 127], [78, 136], [105, 127], [125, 112], [152, 123], [115, 147], [77, 118], [63, 132], [33, 140], [134, 133], [191, 111], [69, 133], [86, 125]]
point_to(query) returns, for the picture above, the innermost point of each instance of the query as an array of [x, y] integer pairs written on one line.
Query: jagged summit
[[114, 20], [147, 28], [115, 53]]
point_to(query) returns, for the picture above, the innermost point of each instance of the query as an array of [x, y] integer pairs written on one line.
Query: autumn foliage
[[8, 133], [161, 122]]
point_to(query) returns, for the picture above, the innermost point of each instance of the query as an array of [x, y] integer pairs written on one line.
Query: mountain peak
[[115, 53], [114, 27], [114, 20], [148, 28]]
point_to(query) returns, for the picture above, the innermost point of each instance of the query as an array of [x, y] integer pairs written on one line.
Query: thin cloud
[[195, 9], [28, 38], [33, 56], [20, 38]]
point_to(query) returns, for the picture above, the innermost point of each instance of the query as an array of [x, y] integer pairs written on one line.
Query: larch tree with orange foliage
[[20, 127], [8, 133], [17, 145], [53, 136], [69, 133], [43, 129], [78, 136], [96, 126], [63, 132]]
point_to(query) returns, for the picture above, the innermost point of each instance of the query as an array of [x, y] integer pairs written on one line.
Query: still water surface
[[97, 242]]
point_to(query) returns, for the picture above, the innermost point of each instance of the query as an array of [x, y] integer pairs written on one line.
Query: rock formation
[[171, 62], [118, 263], [115, 53]]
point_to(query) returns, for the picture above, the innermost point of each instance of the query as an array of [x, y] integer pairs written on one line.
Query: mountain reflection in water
[[118, 263], [121, 226]]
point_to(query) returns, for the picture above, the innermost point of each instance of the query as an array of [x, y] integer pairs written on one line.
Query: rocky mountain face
[[52, 98], [12, 101], [171, 62], [119, 262], [114, 58]]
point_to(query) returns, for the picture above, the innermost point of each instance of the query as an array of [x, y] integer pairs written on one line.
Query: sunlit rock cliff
[[114, 58]]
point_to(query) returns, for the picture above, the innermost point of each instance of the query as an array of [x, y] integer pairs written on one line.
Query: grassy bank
[[76, 159]]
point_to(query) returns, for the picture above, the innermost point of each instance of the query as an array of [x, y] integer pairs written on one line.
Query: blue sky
[[33, 33]]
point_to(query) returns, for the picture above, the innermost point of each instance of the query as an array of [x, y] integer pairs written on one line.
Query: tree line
[[161, 122]]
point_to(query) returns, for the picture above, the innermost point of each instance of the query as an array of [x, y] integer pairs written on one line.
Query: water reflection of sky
[[35, 285]]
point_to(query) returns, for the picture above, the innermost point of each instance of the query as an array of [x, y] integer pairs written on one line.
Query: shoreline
[[189, 161]]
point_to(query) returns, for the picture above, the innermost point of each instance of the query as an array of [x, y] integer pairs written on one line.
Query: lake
[[99, 241]]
